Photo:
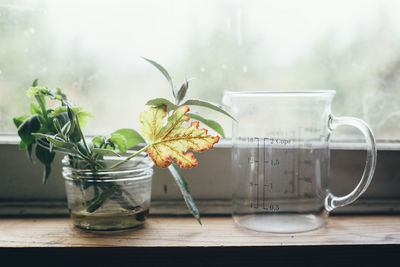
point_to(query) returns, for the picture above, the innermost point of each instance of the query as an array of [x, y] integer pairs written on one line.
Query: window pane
[[92, 50]]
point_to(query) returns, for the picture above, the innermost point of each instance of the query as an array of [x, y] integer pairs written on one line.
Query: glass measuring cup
[[280, 160]]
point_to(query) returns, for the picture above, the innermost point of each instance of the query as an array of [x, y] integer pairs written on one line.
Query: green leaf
[[22, 145], [162, 101], [38, 90], [35, 83], [46, 145], [35, 109], [26, 128], [206, 104], [55, 141], [65, 128], [46, 173], [105, 152], [71, 114], [29, 152], [58, 110], [183, 186], [61, 96], [133, 138], [97, 141], [119, 141], [57, 126], [81, 147], [60, 143], [62, 118], [166, 75], [42, 103], [51, 146], [73, 133], [182, 91], [42, 119], [210, 123], [83, 117], [46, 157], [19, 120]]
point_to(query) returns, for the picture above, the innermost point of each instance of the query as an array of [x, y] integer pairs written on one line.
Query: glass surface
[[109, 199], [92, 50], [281, 158]]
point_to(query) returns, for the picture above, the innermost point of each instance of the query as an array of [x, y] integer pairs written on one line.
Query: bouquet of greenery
[[166, 140]]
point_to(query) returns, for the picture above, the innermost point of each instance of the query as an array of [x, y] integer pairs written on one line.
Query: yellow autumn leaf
[[172, 141]]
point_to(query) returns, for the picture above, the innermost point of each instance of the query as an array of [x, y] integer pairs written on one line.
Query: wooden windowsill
[[186, 232], [180, 241]]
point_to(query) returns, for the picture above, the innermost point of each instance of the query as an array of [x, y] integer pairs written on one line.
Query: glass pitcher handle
[[333, 201]]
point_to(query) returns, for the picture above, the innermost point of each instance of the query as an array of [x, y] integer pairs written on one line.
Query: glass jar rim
[[133, 173]]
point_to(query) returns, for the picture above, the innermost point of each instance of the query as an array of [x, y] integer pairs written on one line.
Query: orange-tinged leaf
[[174, 123], [173, 141], [152, 122]]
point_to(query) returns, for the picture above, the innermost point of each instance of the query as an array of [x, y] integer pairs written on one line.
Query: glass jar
[[108, 199]]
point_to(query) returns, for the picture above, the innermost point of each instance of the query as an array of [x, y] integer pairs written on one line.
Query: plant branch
[[128, 158]]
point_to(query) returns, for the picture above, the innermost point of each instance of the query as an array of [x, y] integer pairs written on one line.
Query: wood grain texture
[[185, 232]]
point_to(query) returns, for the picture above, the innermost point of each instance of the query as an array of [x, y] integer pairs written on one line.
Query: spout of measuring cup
[[227, 98]]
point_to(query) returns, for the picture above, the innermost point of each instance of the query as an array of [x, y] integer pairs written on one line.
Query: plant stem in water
[[98, 202]]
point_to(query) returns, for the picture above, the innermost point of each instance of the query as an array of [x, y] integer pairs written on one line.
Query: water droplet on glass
[[223, 66], [95, 76], [228, 23], [245, 68], [239, 26], [32, 30], [202, 69]]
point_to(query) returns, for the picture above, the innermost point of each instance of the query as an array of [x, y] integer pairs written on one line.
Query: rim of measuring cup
[[281, 93]]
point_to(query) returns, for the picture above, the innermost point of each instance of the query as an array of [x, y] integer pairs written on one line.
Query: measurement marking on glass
[[272, 159], [265, 184], [254, 163], [287, 171]]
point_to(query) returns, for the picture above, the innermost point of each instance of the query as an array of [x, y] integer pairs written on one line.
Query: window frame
[[22, 193]]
